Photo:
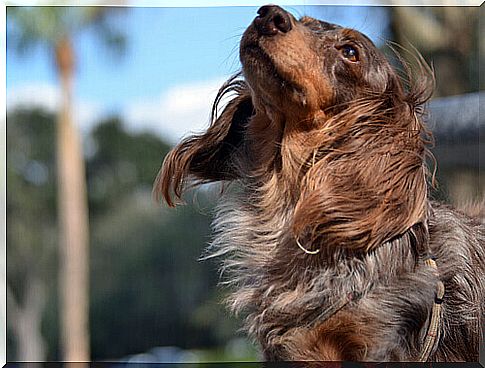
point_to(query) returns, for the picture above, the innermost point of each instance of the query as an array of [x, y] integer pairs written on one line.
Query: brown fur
[[330, 153]]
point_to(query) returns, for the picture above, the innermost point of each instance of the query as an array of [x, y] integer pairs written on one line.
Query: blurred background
[[96, 96]]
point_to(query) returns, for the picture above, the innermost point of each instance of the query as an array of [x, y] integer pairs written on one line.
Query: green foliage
[[28, 27], [146, 280], [121, 164], [31, 208], [147, 287]]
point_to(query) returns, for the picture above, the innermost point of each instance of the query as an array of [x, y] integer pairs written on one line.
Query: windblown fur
[[328, 153]]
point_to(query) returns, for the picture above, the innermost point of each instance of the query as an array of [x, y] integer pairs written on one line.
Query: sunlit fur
[[336, 161]]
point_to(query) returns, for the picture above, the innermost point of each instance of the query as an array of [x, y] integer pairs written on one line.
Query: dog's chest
[[286, 300]]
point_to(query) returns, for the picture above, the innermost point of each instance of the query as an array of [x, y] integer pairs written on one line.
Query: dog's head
[[302, 68], [322, 114]]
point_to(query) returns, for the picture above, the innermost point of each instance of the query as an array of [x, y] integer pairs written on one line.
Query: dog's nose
[[271, 20]]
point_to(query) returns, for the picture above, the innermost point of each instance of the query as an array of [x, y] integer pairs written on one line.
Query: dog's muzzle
[[272, 20]]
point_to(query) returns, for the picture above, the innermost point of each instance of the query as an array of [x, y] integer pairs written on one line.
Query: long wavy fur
[[351, 185]]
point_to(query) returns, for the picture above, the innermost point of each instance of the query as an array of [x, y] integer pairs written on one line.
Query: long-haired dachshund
[[330, 243]]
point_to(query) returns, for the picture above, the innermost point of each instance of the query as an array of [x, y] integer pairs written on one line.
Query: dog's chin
[[269, 83]]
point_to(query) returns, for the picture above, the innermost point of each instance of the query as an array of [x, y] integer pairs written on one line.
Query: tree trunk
[[25, 322], [73, 220]]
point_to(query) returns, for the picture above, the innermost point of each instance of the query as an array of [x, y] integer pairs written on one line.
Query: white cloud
[[181, 110], [39, 95], [176, 112], [48, 97]]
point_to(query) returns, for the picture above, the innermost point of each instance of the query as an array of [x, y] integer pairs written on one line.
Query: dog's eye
[[350, 53]]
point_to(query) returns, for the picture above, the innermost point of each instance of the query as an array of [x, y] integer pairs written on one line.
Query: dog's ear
[[213, 155], [370, 189], [369, 185]]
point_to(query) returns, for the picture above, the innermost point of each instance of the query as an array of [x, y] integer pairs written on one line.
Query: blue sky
[[175, 60]]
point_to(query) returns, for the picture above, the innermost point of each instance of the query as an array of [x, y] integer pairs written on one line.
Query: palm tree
[[54, 28]]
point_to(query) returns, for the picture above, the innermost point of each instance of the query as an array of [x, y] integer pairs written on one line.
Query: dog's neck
[[281, 147]]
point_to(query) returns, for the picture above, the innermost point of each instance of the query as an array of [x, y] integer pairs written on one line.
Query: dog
[[330, 243]]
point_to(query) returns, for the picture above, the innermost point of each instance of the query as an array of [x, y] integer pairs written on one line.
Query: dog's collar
[[433, 333]]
